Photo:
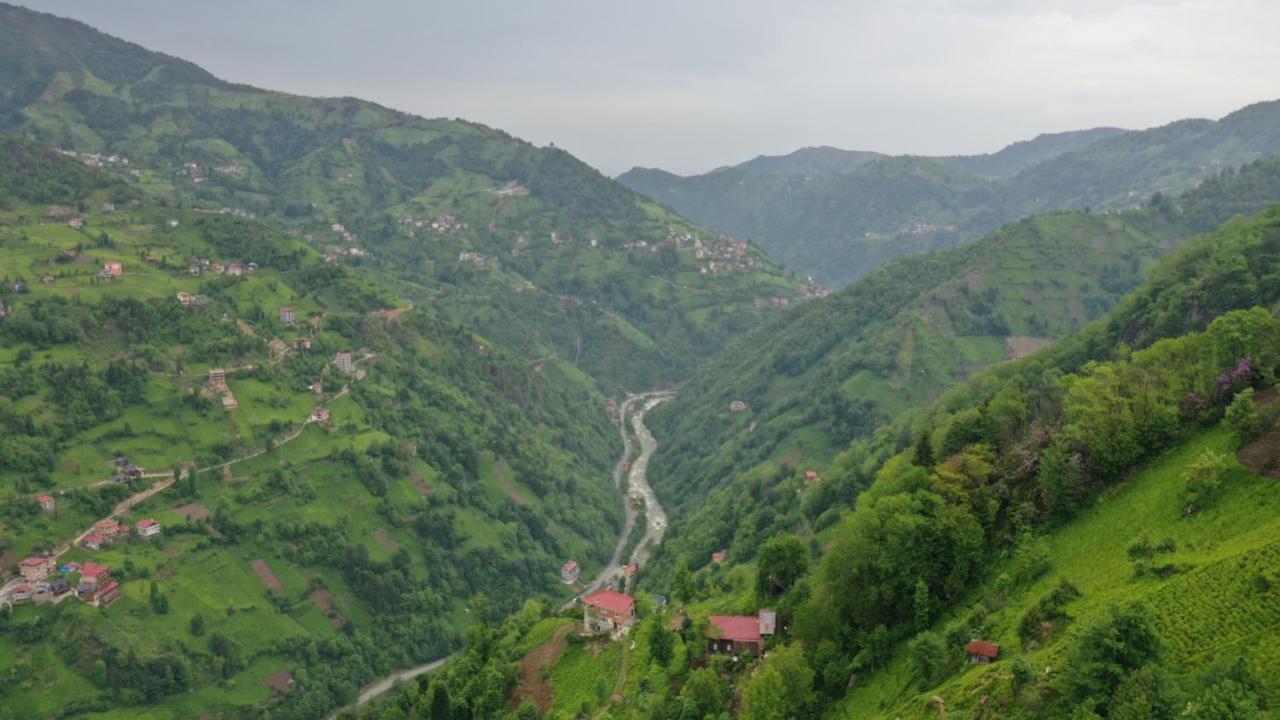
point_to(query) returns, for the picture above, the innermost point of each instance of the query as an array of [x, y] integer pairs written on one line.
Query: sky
[[690, 85]]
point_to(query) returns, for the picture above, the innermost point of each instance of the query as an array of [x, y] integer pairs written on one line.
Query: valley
[[312, 408]]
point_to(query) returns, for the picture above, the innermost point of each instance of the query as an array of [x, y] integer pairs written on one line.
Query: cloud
[[692, 85]]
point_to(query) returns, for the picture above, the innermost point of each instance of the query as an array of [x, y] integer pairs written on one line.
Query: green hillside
[[839, 225], [318, 551], [527, 244], [1108, 521], [839, 369]]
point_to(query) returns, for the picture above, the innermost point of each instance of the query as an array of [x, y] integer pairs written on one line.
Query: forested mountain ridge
[[837, 369], [350, 472], [527, 245], [839, 226], [1100, 516]]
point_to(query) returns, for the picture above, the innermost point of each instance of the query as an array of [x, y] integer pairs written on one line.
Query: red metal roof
[[44, 498], [146, 523], [569, 566], [983, 648], [93, 570], [34, 561], [738, 628], [93, 538], [610, 600]]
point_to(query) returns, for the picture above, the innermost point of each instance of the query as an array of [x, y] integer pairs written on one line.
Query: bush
[[1243, 416]]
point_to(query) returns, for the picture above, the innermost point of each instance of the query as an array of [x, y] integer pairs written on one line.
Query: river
[[637, 491]]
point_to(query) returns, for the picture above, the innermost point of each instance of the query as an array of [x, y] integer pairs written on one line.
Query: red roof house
[[608, 611], [95, 574], [35, 568], [93, 542], [46, 502], [570, 572], [735, 634], [982, 652], [718, 557], [148, 528]]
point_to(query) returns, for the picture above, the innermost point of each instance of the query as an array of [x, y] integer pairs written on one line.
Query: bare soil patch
[[532, 685], [418, 480], [192, 511], [1100, 243], [267, 577], [1113, 224], [1020, 346], [380, 534], [279, 682], [1262, 456], [503, 471], [8, 560]]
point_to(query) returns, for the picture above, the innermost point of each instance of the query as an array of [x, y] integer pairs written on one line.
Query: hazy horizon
[[689, 89]]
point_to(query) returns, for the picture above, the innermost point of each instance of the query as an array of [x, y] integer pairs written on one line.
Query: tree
[[1243, 417], [929, 657], [1107, 652], [683, 583], [661, 641], [1147, 694], [1203, 479], [781, 561], [196, 626], [703, 695], [781, 689], [1227, 699]]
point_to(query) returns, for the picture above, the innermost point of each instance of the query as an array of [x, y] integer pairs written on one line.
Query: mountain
[[824, 160], [1085, 532], [1023, 154], [526, 244], [321, 524], [840, 369], [839, 226]]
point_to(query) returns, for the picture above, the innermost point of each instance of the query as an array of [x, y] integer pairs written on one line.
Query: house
[[608, 611], [185, 298], [173, 223], [193, 270], [304, 342], [76, 223], [737, 406], [59, 587], [107, 528], [87, 592], [718, 557], [630, 570], [109, 592], [36, 568], [734, 635], [218, 267], [287, 316], [94, 574], [46, 502], [20, 593], [569, 572], [343, 362], [92, 541], [319, 415], [108, 208], [768, 622], [148, 528], [982, 652], [217, 379], [114, 268], [46, 280], [235, 269], [811, 476]]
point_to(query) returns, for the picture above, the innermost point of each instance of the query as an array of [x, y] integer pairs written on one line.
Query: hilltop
[[842, 222]]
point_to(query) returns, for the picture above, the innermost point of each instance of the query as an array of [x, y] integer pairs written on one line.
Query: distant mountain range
[[839, 214]]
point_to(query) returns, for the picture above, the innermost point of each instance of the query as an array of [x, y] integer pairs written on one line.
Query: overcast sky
[[689, 85]]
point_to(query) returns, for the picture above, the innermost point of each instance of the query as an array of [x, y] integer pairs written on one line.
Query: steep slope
[[841, 226], [838, 369], [824, 160], [1088, 518], [332, 515], [527, 244]]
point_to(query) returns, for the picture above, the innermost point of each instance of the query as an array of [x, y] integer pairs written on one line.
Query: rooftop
[[738, 628], [610, 600]]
